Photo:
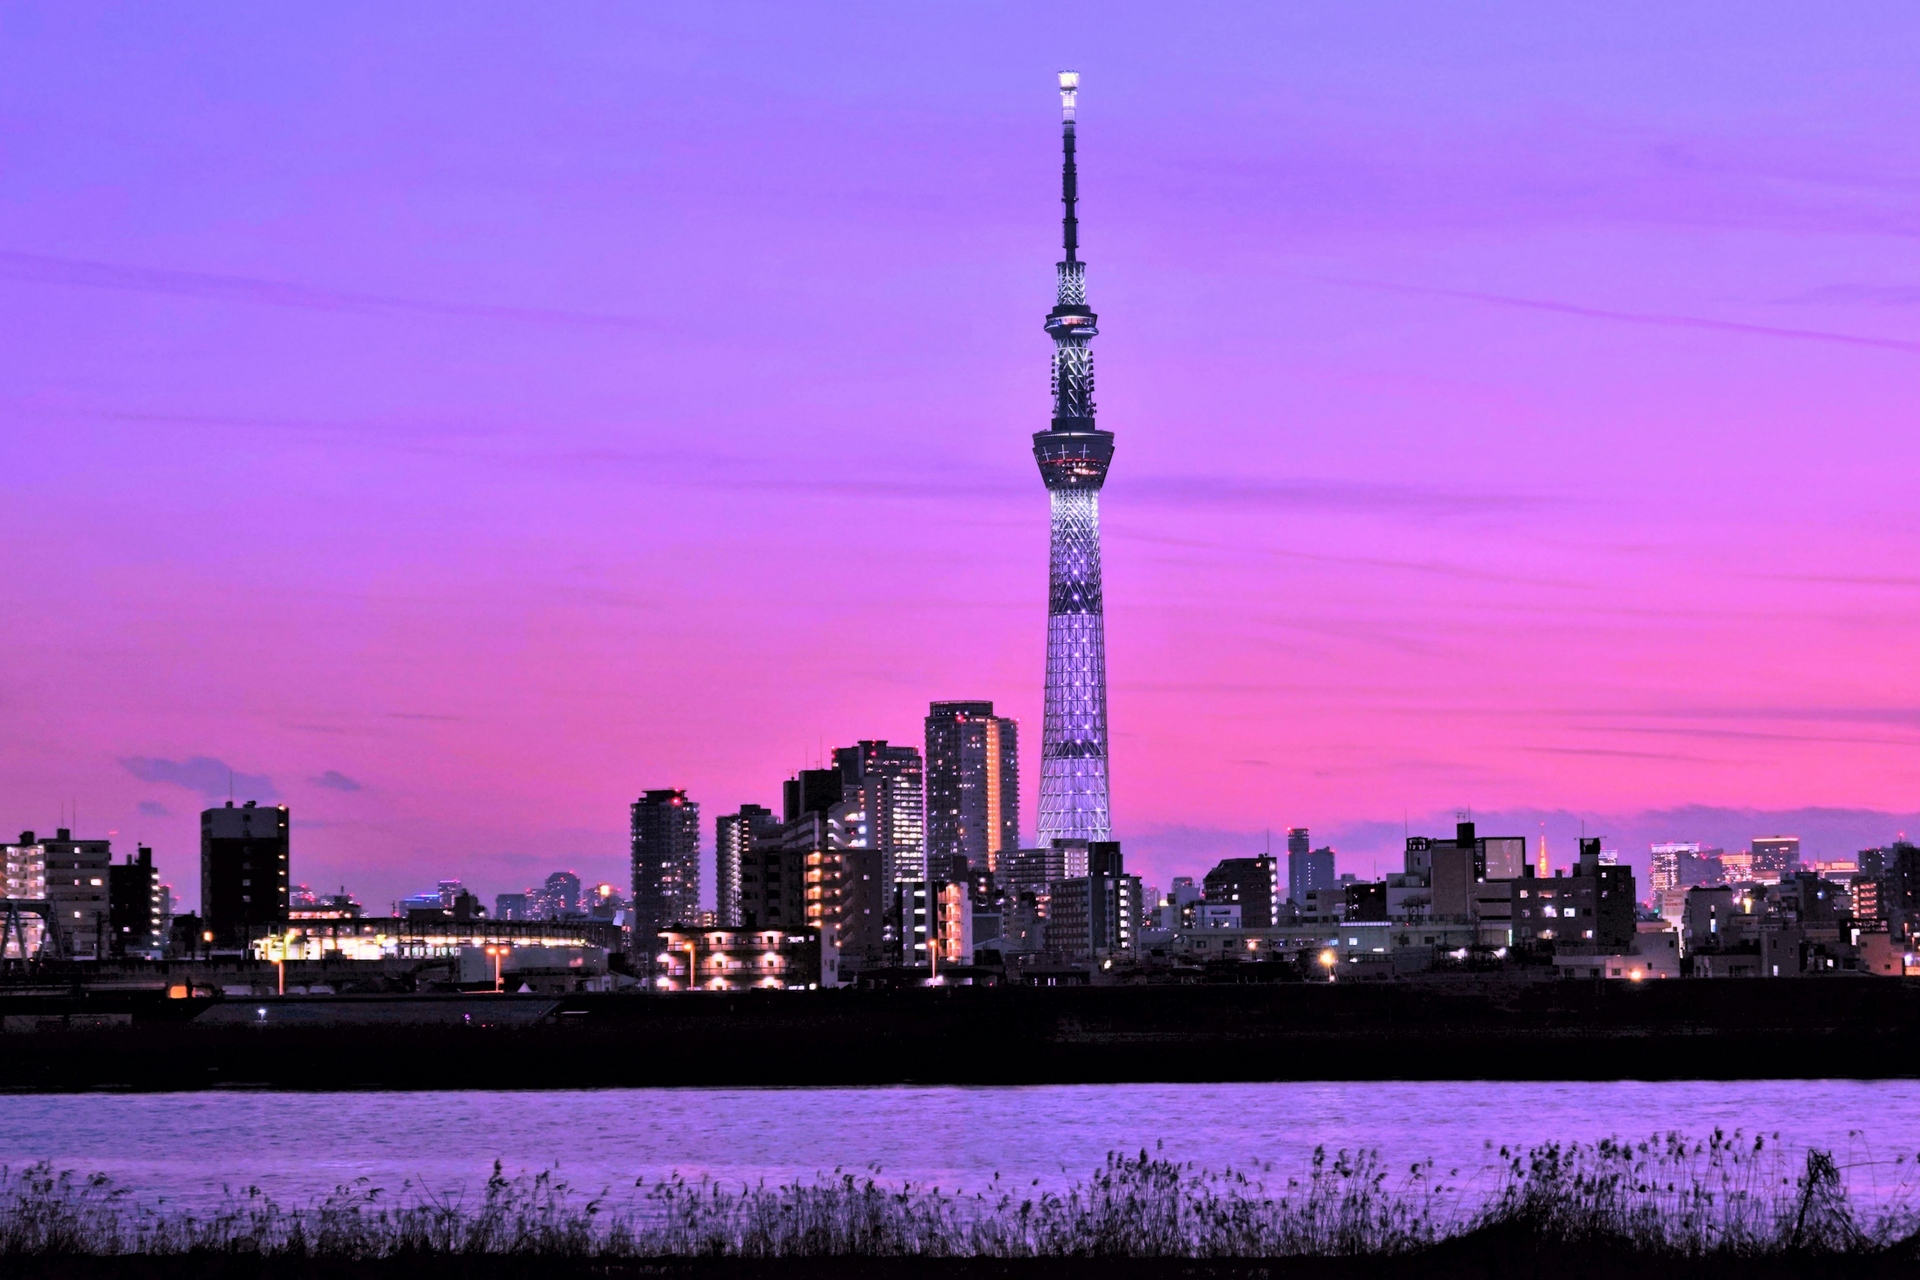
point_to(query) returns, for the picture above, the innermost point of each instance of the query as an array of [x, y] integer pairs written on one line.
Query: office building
[[973, 783], [1250, 883], [891, 784], [735, 837], [666, 862], [1774, 857], [1664, 872], [1307, 868], [512, 906], [244, 882], [135, 924]]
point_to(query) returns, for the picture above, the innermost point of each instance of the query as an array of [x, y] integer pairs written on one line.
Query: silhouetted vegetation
[[1725, 1197]]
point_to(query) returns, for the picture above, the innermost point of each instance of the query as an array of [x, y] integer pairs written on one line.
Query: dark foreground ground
[[1465, 1029], [1465, 1260]]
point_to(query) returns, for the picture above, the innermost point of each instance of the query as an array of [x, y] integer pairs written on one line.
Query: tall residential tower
[[973, 785], [1073, 455], [666, 864]]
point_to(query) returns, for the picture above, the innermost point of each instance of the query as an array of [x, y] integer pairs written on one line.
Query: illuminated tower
[[1073, 456]]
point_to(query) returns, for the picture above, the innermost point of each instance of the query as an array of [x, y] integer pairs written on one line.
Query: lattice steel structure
[[1073, 456]]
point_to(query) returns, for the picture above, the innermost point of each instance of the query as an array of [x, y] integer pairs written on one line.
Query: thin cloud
[[1440, 568], [1360, 495], [203, 775], [1885, 295], [334, 780], [34, 268], [1655, 319], [154, 809]]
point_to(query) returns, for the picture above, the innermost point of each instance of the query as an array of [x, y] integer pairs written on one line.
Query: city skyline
[[1502, 431]]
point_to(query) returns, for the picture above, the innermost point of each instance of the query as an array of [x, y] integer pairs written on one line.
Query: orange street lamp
[[497, 950], [1327, 960]]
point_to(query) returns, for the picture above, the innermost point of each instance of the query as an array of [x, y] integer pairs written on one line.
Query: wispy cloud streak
[[33, 268], [1656, 319]]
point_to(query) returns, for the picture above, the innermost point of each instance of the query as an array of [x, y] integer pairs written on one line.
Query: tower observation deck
[[1073, 455]]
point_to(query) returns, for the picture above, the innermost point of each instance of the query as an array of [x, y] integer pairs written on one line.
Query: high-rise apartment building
[[891, 783], [243, 871], [973, 783], [666, 864], [735, 838], [135, 909]]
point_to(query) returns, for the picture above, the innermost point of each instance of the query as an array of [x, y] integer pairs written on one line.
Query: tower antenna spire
[[1073, 454], [1069, 173]]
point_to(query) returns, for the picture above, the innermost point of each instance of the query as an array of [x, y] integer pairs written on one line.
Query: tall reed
[[1727, 1195]]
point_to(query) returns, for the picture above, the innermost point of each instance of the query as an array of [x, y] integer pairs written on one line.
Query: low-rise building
[[420, 937], [1654, 954], [721, 959]]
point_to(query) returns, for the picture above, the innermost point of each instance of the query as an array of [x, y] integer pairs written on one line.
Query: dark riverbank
[[1725, 1029], [1467, 1259]]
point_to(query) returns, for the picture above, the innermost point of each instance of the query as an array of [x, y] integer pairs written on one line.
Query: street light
[[497, 950], [1327, 961]]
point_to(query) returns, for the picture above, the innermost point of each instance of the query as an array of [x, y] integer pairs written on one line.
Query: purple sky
[[456, 419]]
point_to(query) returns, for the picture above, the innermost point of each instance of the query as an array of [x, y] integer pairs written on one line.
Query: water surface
[[299, 1146]]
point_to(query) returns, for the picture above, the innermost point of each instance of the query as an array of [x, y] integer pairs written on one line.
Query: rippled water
[[298, 1146]]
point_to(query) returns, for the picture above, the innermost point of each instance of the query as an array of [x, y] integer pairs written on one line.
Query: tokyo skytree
[[1073, 455]]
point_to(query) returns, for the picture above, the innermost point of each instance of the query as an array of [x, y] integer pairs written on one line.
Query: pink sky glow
[[456, 420]]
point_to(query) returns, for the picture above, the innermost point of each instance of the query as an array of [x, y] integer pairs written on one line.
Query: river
[[186, 1148]]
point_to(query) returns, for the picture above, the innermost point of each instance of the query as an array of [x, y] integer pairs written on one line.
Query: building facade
[[1307, 869], [720, 959], [26, 914], [136, 925], [1774, 856], [891, 783], [973, 783], [244, 881], [735, 838], [666, 861], [1250, 883], [1099, 914]]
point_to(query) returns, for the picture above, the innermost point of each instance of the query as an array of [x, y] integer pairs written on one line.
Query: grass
[[1725, 1197]]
